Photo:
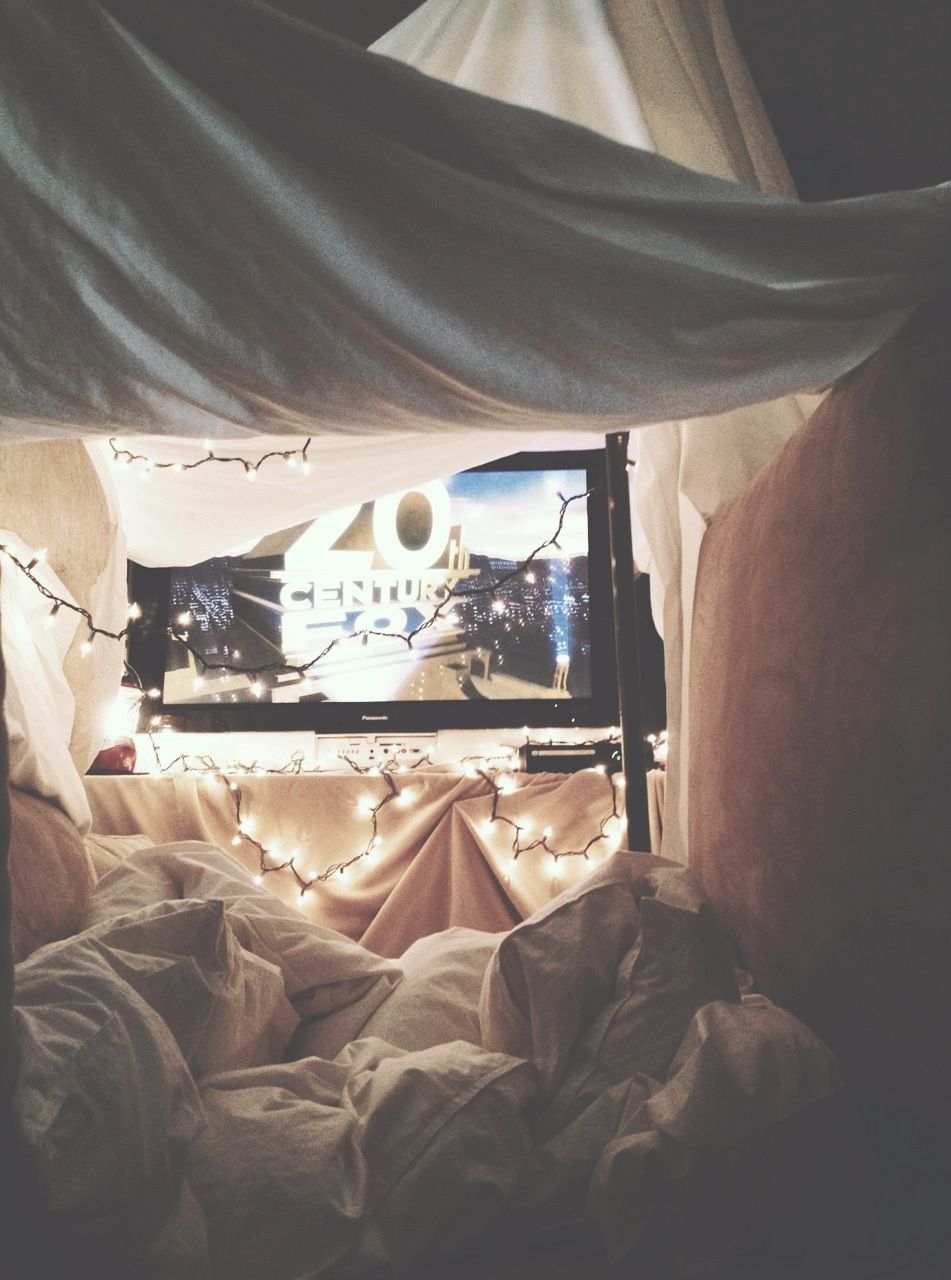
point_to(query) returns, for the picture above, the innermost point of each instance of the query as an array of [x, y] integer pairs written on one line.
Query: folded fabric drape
[[217, 219]]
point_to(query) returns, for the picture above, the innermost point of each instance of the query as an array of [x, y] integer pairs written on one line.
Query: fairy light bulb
[[365, 805], [259, 879], [257, 688], [250, 473], [236, 840], [186, 618], [134, 611]]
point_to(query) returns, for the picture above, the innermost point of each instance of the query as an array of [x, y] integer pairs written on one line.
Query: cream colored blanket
[[218, 1087]]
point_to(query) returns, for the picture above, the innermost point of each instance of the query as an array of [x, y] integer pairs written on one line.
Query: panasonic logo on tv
[[374, 717]]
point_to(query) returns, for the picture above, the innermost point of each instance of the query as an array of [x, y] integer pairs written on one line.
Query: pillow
[[107, 851], [551, 975], [306, 1164], [333, 983], [438, 997], [50, 871], [684, 1164], [682, 961], [105, 1102], [225, 1007]]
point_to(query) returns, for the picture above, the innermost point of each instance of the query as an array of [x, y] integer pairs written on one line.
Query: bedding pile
[[214, 1086]]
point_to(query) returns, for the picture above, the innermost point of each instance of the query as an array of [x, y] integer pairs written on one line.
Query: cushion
[[681, 962], [332, 983], [309, 1163], [680, 1163], [438, 997], [553, 973], [51, 873], [225, 1007], [106, 1102], [821, 721], [107, 851]]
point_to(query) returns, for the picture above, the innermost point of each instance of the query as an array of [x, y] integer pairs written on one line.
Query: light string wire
[[58, 602], [251, 468], [270, 860], [203, 665]]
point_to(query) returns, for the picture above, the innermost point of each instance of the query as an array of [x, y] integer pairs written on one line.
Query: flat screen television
[[510, 646]]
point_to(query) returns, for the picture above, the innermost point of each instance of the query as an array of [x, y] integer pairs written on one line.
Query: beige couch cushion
[[820, 787], [51, 873]]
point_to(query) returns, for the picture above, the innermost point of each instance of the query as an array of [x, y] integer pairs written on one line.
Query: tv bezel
[[150, 588]]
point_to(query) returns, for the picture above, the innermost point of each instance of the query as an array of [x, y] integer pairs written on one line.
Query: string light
[[294, 458], [184, 620], [444, 606], [58, 602], [270, 859]]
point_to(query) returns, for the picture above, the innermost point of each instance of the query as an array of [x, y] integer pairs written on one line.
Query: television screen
[[414, 611]]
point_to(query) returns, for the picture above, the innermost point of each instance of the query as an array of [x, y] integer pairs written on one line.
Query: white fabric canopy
[[181, 518], [564, 58], [663, 77], [218, 222]]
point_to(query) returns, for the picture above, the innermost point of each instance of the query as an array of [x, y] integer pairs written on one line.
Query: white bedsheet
[[607, 1049]]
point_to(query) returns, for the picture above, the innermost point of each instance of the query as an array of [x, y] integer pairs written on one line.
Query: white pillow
[[225, 1007], [377, 1158], [682, 960], [104, 1099], [333, 983], [438, 998], [553, 973]]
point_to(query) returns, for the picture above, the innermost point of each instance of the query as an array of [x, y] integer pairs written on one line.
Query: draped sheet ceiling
[[218, 219]]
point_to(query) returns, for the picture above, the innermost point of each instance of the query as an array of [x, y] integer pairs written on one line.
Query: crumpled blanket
[[208, 1091]]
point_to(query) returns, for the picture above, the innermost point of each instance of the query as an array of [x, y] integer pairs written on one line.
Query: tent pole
[[633, 750]]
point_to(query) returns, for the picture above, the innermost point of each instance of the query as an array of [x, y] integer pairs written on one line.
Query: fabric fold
[[223, 220]]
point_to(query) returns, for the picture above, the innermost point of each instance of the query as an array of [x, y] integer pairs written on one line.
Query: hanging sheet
[[216, 219]]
